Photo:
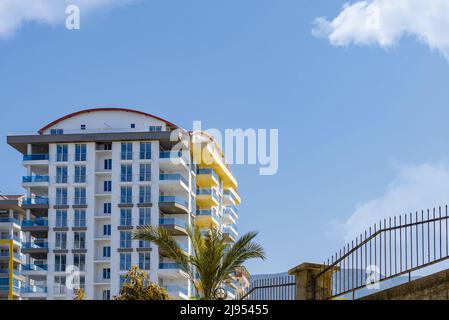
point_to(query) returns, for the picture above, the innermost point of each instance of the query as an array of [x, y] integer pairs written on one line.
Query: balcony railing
[[170, 154], [10, 237], [35, 157], [35, 179], [207, 212], [37, 200], [36, 244], [232, 211], [34, 267], [33, 289], [35, 223], [174, 289], [231, 229], [169, 265], [208, 171], [9, 220], [175, 199], [172, 221], [173, 177], [211, 192]]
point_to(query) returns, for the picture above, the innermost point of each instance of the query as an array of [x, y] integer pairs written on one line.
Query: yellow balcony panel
[[207, 154], [207, 177], [206, 218], [207, 198]]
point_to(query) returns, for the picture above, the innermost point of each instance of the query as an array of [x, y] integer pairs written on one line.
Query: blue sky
[[363, 129]]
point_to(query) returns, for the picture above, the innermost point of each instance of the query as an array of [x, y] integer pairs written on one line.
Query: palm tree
[[213, 259]]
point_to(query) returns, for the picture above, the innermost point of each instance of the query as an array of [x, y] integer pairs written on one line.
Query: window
[[60, 287], [61, 240], [79, 218], [80, 152], [107, 208], [106, 252], [79, 260], [145, 194], [126, 173], [126, 194], [107, 164], [155, 128], [145, 150], [106, 273], [145, 172], [106, 294], [107, 186], [80, 174], [82, 283], [62, 153], [133, 125], [61, 174], [125, 239], [80, 196], [144, 260], [126, 151], [60, 262], [79, 240], [125, 217], [107, 229], [144, 244], [144, 216], [56, 131], [122, 281], [61, 218], [83, 127], [125, 261], [61, 196]]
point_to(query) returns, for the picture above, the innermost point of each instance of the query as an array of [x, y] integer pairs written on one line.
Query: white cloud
[[16, 13], [385, 22], [414, 188]]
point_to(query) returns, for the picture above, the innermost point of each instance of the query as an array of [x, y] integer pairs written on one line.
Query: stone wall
[[432, 287]]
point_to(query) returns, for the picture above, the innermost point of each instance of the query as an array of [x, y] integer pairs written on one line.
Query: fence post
[[306, 288]]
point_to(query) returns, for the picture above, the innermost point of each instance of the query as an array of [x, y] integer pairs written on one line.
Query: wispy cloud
[[16, 13], [385, 22], [413, 188]]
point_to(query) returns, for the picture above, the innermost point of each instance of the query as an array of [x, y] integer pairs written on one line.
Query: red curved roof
[[51, 124]]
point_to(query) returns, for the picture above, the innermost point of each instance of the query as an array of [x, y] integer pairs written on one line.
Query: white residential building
[[92, 177]]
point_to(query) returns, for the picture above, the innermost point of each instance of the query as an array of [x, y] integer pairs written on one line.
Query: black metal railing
[[282, 287], [391, 248]]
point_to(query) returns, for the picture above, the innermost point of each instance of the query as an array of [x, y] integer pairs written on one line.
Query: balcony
[[173, 204], [207, 218], [184, 247], [36, 159], [30, 291], [172, 182], [207, 177], [171, 270], [10, 220], [231, 197], [230, 232], [37, 249], [207, 197], [4, 236], [35, 203], [230, 215], [174, 226], [35, 181], [177, 291], [168, 159], [37, 226], [35, 268]]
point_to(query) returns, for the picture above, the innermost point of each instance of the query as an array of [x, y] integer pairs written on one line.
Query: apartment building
[[94, 176], [11, 259]]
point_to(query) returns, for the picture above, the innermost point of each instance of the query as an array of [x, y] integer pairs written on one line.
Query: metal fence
[[282, 287], [391, 248]]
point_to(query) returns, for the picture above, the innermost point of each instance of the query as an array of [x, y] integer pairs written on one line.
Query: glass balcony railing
[[174, 289], [208, 171], [35, 223], [183, 246], [231, 229], [170, 154], [207, 212], [33, 289], [175, 199], [35, 157], [232, 211], [210, 192], [35, 179], [173, 177], [36, 244], [172, 221], [169, 265], [9, 220], [10, 237], [36, 200], [34, 267]]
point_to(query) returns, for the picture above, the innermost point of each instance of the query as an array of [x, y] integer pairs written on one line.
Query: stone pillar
[[307, 287]]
